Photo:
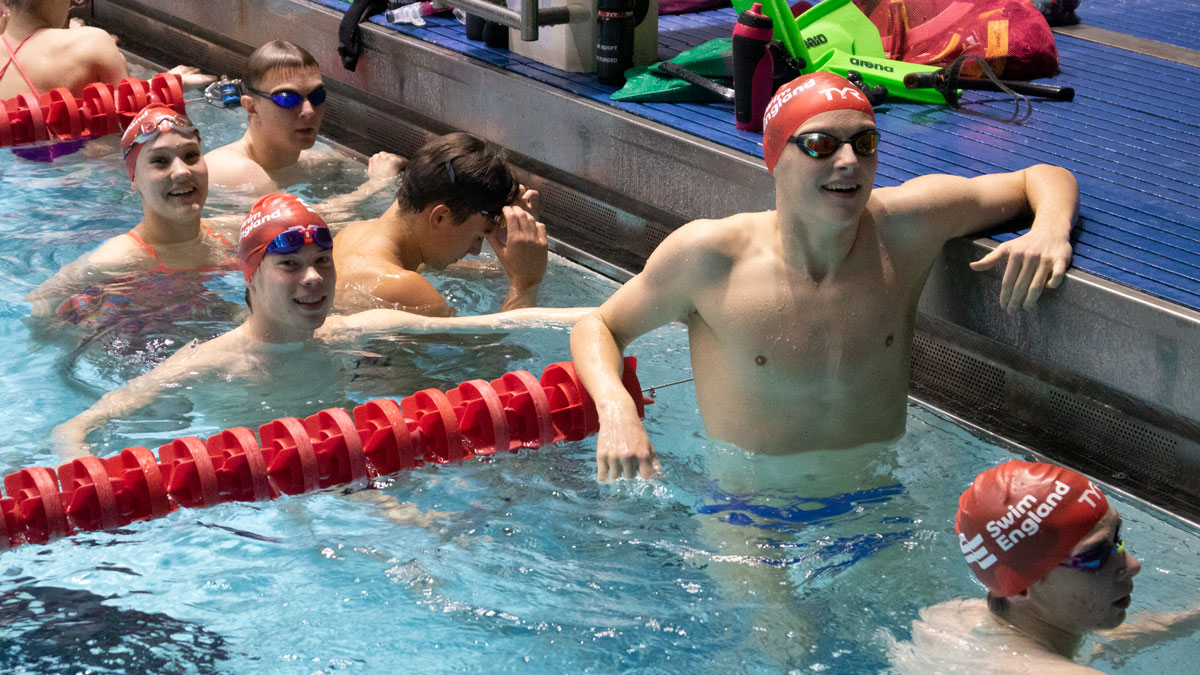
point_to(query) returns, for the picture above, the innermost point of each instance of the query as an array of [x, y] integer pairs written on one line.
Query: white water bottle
[[413, 13]]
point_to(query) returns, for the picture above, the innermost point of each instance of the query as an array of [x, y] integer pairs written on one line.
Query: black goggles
[[287, 98], [819, 144]]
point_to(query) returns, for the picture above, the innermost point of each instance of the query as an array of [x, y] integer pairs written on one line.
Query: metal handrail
[[527, 20]]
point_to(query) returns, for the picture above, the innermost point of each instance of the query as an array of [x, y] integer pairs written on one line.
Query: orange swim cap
[[270, 216], [1019, 520], [147, 125], [801, 99]]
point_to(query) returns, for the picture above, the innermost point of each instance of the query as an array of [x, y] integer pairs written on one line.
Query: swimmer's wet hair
[[276, 55], [465, 173]]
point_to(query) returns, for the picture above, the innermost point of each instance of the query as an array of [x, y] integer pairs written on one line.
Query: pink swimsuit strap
[[149, 248], [12, 59], [164, 268]]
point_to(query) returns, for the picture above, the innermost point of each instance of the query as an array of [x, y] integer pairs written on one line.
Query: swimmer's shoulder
[[720, 240], [120, 255], [92, 46], [229, 166]]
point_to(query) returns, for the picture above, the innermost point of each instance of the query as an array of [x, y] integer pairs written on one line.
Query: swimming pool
[[519, 563]]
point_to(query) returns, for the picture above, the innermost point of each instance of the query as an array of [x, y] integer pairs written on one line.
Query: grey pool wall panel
[[1094, 358]]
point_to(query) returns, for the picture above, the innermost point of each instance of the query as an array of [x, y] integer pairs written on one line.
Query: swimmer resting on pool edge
[[49, 55], [285, 252], [1046, 589], [800, 320]]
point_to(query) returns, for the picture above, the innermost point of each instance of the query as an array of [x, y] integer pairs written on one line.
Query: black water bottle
[[614, 40]]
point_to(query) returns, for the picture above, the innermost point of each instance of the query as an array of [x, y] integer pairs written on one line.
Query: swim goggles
[[497, 218], [287, 98], [149, 129], [819, 144], [1094, 558], [294, 239]]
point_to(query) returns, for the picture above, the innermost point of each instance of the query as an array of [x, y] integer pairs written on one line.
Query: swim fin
[[712, 60]]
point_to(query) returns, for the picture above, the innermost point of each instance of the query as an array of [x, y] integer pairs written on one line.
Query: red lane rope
[[101, 110], [294, 456]]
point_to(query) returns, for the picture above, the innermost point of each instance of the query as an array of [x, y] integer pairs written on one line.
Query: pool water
[[516, 563]]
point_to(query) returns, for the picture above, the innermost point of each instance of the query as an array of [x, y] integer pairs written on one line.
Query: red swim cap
[[267, 218], [147, 125], [1019, 520], [803, 98]]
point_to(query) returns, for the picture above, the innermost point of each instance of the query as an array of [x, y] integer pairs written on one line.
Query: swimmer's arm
[[110, 261], [379, 321], [70, 438], [1145, 630], [953, 206], [660, 294], [382, 170]]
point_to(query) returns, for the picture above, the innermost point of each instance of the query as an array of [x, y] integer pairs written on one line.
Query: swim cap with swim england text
[[1019, 520], [270, 216], [801, 99]]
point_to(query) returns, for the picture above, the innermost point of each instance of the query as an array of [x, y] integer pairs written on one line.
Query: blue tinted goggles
[[290, 241], [286, 98]]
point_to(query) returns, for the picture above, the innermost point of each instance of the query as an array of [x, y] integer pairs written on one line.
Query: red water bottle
[[751, 67]]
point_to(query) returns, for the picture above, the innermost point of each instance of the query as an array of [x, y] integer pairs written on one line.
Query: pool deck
[[1123, 332]]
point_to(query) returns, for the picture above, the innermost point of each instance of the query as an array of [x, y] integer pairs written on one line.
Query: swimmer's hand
[[67, 440], [623, 450], [383, 167], [522, 248], [1036, 260], [192, 77]]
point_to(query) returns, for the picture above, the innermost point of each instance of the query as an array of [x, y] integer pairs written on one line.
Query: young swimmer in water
[[284, 100], [1047, 545], [168, 172], [39, 53], [801, 319], [456, 191], [286, 255]]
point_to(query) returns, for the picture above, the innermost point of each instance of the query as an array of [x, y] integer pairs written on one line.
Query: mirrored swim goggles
[[1096, 557], [820, 145], [294, 239], [287, 98], [149, 129]]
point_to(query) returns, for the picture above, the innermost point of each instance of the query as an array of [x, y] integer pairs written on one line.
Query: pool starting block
[[293, 456]]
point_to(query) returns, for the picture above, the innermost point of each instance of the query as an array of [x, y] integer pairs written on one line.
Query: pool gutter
[[1099, 375]]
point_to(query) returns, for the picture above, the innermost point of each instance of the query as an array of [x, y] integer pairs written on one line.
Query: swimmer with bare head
[[39, 53], [801, 319], [456, 192], [284, 99], [1047, 545], [286, 255]]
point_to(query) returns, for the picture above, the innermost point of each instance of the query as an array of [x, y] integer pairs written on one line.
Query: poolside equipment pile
[[101, 110], [293, 456]]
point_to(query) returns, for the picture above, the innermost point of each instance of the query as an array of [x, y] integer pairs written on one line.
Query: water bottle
[[614, 40], [751, 68], [412, 13]]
